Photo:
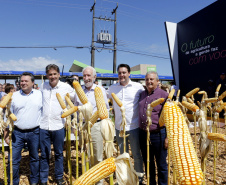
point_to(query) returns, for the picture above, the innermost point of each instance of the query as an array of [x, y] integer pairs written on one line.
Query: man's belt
[[25, 130], [157, 130]]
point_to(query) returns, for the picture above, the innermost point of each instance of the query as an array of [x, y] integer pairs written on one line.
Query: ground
[[220, 169]]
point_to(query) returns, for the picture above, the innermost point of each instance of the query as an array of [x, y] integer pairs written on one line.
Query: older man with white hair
[[89, 77]]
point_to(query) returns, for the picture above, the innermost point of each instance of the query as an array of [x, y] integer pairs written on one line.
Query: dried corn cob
[[181, 146], [170, 96], [190, 106], [221, 97], [190, 100], [117, 100], [216, 137], [61, 101], [157, 102], [199, 104], [210, 100], [69, 112], [189, 94], [13, 117], [68, 100], [218, 88], [5, 100], [80, 92], [220, 108], [98, 172], [178, 93], [101, 106]]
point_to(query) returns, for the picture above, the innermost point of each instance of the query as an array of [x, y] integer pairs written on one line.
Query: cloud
[[33, 64]]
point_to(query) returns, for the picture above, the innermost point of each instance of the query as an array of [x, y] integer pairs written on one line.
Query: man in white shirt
[[89, 76], [52, 125], [128, 92], [27, 106]]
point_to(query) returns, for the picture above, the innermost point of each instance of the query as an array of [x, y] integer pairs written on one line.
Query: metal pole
[[93, 46], [115, 40]]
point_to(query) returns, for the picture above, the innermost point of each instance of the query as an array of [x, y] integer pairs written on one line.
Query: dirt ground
[[220, 169]]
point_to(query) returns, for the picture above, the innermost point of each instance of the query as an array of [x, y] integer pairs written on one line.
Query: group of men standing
[[39, 122]]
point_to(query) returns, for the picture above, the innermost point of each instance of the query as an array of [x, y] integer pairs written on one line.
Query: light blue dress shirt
[[27, 108]]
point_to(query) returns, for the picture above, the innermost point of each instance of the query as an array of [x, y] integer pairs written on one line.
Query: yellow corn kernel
[[218, 88], [221, 97], [6, 100], [181, 146], [216, 137], [13, 117], [98, 172], [170, 96], [101, 106], [161, 119], [192, 92], [81, 95], [69, 102], [157, 102], [117, 100], [190, 106], [61, 101], [69, 112], [94, 117], [210, 100]]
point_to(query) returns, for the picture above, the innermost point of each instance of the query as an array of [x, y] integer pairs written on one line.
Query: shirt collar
[[22, 93], [57, 86], [153, 92], [92, 88]]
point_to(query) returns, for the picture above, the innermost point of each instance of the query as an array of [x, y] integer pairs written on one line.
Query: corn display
[[13, 117], [192, 92], [117, 100], [210, 100], [98, 172], [80, 92], [221, 97], [68, 100], [101, 106], [94, 117], [69, 112], [218, 88], [216, 137], [157, 102], [5, 100], [190, 106], [181, 147]]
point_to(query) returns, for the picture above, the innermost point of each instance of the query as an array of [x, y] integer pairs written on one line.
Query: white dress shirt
[[91, 97], [129, 95], [51, 116], [27, 108]]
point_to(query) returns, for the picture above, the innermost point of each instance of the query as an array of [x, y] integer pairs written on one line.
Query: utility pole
[[93, 46], [115, 40]]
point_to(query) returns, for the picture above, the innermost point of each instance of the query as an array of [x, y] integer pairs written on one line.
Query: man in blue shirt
[[27, 106]]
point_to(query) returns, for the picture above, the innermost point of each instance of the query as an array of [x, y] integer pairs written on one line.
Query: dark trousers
[[157, 151], [19, 137], [57, 138]]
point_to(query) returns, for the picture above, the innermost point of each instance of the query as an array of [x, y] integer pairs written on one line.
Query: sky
[[63, 27]]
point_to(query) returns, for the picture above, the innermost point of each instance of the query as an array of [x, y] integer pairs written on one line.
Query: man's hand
[[6, 135], [166, 143]]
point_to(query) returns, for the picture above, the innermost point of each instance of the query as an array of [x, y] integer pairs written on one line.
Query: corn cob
[[178, 93], [13, 117], [157, 102], [220, 108], [117, 100], [80, 92], [189, 94], [94, 117], [201, 92], [69, 112], [170, 96], [61, 101], [216, 137], [199, 104], [210, 100], [190, 100], [181, 146], [101, 106], [190, 106], [5, 100], [221, 97], [98, 172], [68, 100], [218, 88]]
